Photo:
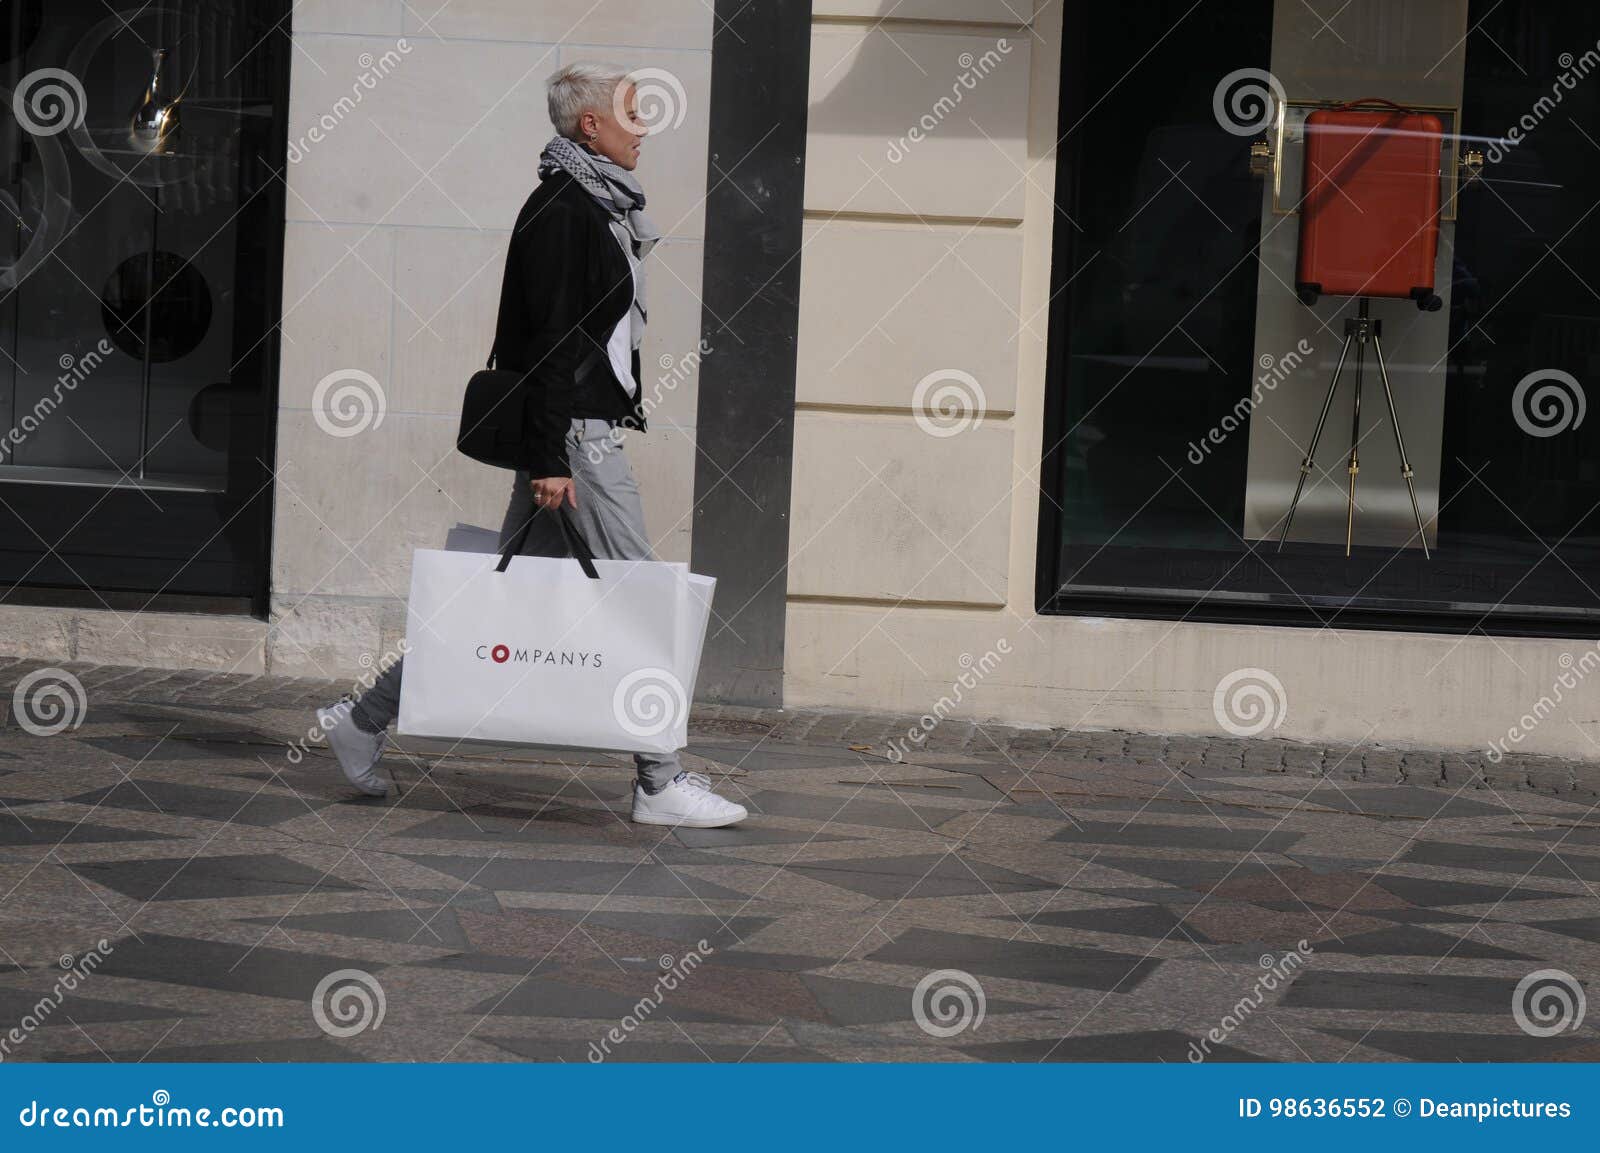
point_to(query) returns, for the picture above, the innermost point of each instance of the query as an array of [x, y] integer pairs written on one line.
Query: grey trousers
[[610, 517]]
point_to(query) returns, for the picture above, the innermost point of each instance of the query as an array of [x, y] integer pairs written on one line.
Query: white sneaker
[[688, 801], [358, 752]]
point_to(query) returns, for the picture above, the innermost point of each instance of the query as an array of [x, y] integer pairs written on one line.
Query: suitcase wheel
[[1427, 300], [1308, 293]]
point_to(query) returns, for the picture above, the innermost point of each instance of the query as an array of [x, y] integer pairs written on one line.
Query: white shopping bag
[[543, 654]]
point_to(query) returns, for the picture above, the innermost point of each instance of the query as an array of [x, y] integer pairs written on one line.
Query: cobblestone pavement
[[1103, 896]]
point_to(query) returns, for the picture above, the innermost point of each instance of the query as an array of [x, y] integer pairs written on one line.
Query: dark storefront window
[[141, 231], [1186, 377]]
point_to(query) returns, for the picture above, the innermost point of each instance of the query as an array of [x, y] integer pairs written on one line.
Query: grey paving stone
[[238, 807], [1561, 836], [528, 825], [1382, 762], [751, 833], [1400, 992], [1019, 960], [908, 787], [631, 1049], [544, 996], [1578, 928], [1153, 921], [934, 875], [1423, 916], [865, 1003], [263, 971], [1429, 891], [1409, 800], [100, 676], [1192, 874], [738, 957], [599, 878], [193, 878], [862, 809], [1552, 779], [150, 750], [436, 928], [721, 933], [18, 1003], [1146, 1045], [1410, 941], [310, 1050], [1426, 1046], [1213, 836], [28, 829], [949, 735], [1512, 861]]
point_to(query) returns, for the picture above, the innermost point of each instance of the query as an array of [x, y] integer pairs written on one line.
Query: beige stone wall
[[913, 553], [398, 223]]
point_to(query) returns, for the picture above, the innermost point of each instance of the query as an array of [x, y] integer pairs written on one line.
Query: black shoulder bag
[[499, 412]]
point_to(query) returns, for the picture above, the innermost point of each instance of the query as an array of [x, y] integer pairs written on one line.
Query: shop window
[[1190, 358]]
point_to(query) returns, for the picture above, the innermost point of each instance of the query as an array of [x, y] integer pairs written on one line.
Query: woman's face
[[616, 132]]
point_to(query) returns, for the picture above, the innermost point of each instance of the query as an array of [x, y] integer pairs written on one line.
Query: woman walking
[[572, 313]]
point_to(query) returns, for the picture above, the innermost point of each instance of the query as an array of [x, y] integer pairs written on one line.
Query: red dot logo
[[500, 654]]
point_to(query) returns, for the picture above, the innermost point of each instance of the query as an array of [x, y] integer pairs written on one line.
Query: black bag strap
[[585, 366], [576, 545]]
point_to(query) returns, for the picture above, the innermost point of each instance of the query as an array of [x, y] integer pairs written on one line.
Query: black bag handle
[[579, 548]]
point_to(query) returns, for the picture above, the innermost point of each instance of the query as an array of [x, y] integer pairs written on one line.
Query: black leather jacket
[[567, 285]]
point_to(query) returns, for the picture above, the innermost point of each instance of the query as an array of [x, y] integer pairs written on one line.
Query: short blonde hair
[[579, 88]]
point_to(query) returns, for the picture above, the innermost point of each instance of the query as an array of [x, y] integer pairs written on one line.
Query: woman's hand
[[548, 492]]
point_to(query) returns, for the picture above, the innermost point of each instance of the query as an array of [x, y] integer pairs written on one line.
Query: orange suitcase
[[1369, 214]]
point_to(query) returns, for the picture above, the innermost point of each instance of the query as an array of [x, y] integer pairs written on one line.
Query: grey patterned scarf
[[620, 194]]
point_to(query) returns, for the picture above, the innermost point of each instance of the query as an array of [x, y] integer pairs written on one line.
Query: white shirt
[[619, 349]]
